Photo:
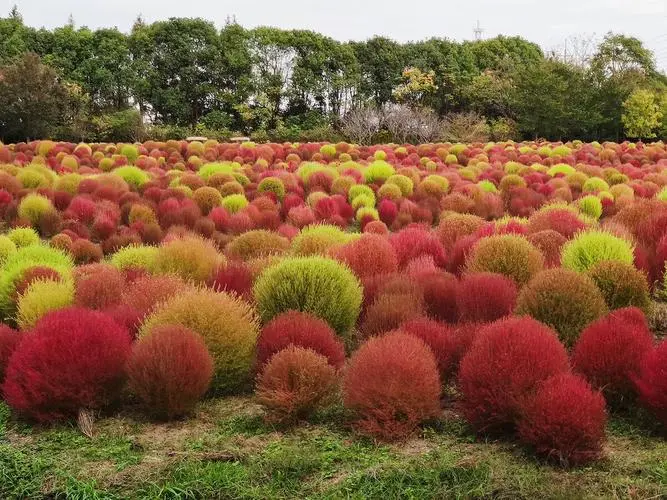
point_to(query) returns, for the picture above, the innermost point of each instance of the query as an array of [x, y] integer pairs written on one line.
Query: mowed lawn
[[227, 451]]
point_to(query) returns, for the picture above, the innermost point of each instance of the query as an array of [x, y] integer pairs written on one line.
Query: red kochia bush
[[565, 420], [100, 288], [392, 385], [439, 288], [504, 366], [170, 369], [294, 383], [413, 242], [609, 352], [485, 297], [370, 255], [651, 382], [73, 359], [302, 330], [440, 338], [9, 339], [234, 277]]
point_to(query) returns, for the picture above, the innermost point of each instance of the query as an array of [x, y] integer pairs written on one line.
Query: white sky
[[547, 23]]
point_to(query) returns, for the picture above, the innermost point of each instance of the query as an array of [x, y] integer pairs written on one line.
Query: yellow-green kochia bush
[[316, 285], [23, 259], [134, 176], [41, 297], [135, 256], [23, 236], [591, 247], [228, 326], [511, 255], [33, 206], [7, 247], [318, 239]]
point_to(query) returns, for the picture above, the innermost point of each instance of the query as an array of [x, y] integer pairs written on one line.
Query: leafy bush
[[227, 324], [507, 254], [294, 383], [485, 297], [651, 381], [392, 385], [170, 369], [564, 300], [370, 255], [317, 239], [33, 206], [621, 284], [440, 338], [301, 330], [73, 359], [135, 257], [610, 351], [503, 369], [315, 285], [190, 258], [257, 243], [23, 237], [592, 247], [42, 297], [565, 421], [22, 260]]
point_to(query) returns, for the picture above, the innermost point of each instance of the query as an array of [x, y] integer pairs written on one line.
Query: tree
[[416, 86], [32, 99], [381, 62], [641, 114], [361, 124]]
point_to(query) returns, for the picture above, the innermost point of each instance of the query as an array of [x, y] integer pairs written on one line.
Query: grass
[[226, 451]]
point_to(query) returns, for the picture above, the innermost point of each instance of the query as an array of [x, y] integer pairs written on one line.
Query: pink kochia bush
[[302, 330], [392, 385], [170, 369], [610, 351], [503, 368], [73, 359], [651, 381], [485, 297], [565, 420], [9, 339]]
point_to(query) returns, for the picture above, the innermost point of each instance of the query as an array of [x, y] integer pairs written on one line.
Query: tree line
[[184, 76]]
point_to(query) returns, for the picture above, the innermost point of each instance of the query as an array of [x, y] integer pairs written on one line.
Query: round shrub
[[565, 421], [485, 297], [85, 251], [562, 219], [42, 297], [99, 288], [550, 243], [609, 352], [651, 381], [413, 242], [257, 243], [301, 330], [389, 311], [134, 176], [9, 339], [227, 324], [207, 198], [234, 203], [147, 292], [439, 291], [318, 239], [170, 369], [190, 258], [440, 338], [379, 170], [564, 300], [22, 260], [454, 226], [236, 277], [272, 185], [33, 207], [503, 368], [507, 254], [591, 205], [315, 285], [370, 255], [73, 359], [621, 284], [23, 237], [294, 383], [392, 385], [135, 257], [592, 247]]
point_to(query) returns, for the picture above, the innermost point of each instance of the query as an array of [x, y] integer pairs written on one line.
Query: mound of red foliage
[[73, 359], [440, 338], [9, 339], [651, 381], [504, 366], [302, 330], [483, 297]]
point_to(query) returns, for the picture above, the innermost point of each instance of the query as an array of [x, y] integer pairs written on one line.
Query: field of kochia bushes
[[517, 284]]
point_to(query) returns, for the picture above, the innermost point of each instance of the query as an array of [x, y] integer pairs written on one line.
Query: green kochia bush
[[17, 263], [592, 247], [23, 236], [33, 206], [316, 285]]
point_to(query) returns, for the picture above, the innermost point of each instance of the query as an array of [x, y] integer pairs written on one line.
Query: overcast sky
[[546, 23]]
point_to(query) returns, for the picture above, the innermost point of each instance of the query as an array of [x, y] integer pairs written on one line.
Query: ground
[[227, 451]]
